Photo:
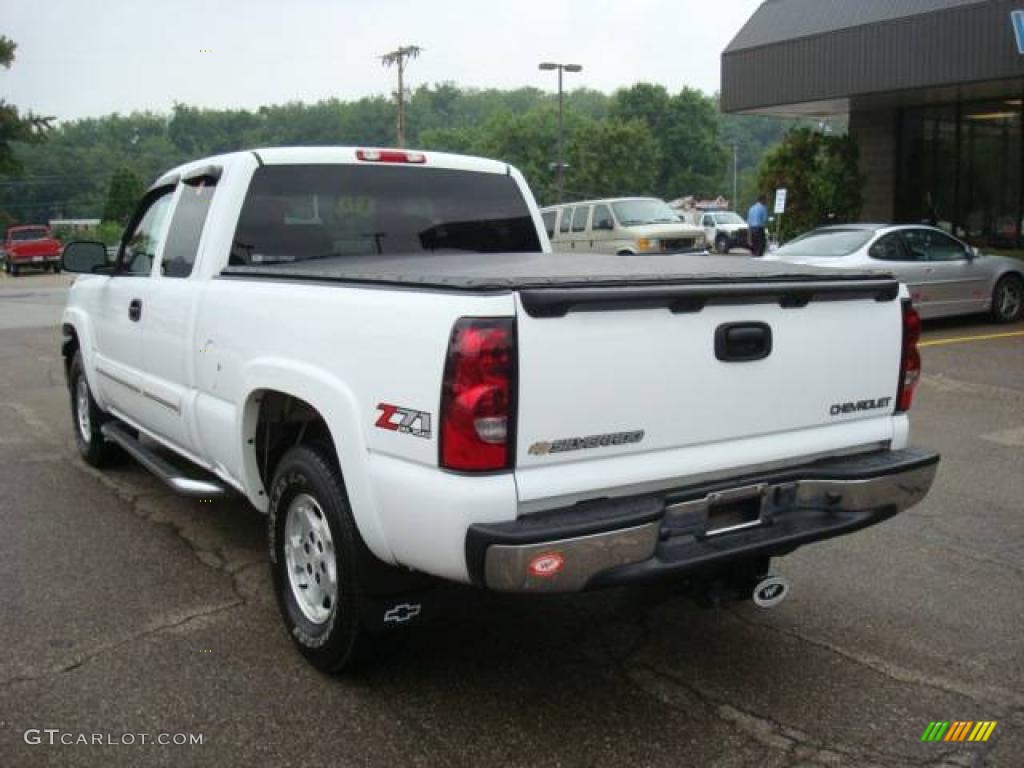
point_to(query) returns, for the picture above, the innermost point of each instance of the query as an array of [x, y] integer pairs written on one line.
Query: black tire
[[13, 271], [338, 641], [1008, 299], [722, 244], [94, 449]]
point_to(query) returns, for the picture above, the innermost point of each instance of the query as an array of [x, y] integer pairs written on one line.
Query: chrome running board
[[171, 475]]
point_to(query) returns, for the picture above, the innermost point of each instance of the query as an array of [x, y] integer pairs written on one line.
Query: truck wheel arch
[[76, 333], [313, 398]]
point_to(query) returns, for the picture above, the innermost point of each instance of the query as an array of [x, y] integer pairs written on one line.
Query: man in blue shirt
[[757, 220]]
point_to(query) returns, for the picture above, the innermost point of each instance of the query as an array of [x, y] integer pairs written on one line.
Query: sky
[[81, 58]]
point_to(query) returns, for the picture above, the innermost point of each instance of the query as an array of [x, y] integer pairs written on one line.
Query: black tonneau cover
[[552, 283]]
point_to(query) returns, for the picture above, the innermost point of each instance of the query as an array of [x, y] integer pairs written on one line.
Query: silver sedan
[[945, 276]]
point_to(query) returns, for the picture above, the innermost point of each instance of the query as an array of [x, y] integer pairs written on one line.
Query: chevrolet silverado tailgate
[[623, 386]]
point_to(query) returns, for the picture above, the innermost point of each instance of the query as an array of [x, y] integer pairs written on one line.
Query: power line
[[399, 57]]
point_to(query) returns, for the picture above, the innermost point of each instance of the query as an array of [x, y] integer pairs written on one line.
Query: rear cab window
[[297, 213], [28, 233]]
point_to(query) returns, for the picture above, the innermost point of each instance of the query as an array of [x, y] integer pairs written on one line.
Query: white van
[[622, 225]]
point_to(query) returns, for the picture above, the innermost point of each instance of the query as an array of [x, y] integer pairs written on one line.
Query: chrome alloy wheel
[[310, 559], [1009, 299], [82, 408]]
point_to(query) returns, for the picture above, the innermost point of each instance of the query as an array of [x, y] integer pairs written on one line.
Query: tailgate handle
[[743, 342]]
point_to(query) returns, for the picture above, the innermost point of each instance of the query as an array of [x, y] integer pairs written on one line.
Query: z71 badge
[[405, 420]]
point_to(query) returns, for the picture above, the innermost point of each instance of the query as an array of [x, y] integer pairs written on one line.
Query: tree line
[[641, 140]]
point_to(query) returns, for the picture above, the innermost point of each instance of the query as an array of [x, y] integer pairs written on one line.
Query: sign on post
[[1017, 19], [780, 201]]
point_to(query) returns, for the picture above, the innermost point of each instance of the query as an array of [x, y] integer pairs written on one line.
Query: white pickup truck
[[378, 349]]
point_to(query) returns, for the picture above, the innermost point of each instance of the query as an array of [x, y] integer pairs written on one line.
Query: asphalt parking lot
[[127, 610]]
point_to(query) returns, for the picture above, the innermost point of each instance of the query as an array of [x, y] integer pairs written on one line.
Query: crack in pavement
[[802, 747], [215, 558], [669, 690], [986, 695], [153, 628]]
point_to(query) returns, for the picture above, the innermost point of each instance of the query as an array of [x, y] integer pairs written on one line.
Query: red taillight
[[910, 361], [478, 396], [391, 156]]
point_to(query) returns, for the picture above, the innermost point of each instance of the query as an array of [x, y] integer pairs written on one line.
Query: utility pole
[[560, 165], [399, 57]]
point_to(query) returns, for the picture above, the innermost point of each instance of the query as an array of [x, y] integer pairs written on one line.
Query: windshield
[[37, 233], [647, 211], [828, 243], [301, 212], [729, 217]]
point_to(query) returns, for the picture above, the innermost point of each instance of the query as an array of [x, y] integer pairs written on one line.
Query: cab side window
[[141, 246], [602, 218], [579, 218], [708, 222], [890, 248], [566, 219], [186, 228]]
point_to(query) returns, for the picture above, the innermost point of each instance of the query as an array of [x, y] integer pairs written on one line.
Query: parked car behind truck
[[625, 226], [945, 276], [379, 350]]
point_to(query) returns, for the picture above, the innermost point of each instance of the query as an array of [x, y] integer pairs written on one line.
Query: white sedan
[[945, 275]]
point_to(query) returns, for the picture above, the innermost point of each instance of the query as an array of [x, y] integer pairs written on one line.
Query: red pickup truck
[[31, 246]]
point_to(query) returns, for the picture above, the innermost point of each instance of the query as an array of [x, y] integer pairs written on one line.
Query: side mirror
[[972, 253], [84, 256]]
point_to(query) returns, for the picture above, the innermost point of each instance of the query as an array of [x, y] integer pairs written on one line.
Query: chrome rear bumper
[[622, 540]]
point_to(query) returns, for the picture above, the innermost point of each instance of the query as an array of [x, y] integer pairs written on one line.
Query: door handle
[[743, 342], [135, 310]]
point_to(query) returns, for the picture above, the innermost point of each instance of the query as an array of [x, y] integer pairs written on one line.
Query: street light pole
[[735, 164], [560, 165]]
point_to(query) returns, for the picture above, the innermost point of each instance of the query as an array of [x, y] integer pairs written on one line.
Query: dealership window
[[928, 172], [990, 173], [960, 169]]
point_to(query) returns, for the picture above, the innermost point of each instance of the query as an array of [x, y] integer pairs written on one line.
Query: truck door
[[122, 307], [170, 346]]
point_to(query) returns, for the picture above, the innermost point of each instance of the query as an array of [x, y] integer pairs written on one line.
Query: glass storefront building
[[933, 90], [960, 168]]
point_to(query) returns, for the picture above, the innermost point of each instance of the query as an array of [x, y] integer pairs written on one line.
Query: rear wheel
[[314, 558], [1008, 299], [722, 244], [13, 270], [87, 418]]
